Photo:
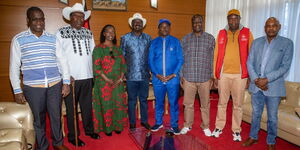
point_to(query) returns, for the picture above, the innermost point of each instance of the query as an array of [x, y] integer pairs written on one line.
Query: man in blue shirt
[[40, 58], [165, 61], [135, 47], [269, 59]]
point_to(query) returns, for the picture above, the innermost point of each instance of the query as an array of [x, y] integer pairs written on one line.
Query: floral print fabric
[[109, 102]]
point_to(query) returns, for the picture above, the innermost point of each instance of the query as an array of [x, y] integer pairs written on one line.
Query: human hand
[[20, 98], [72, 80], [248, 83], [109, 81], [117, 82], [264, 88], [160, 77], [181, 82], [169, 77], [262, 83], [215, 83], [65, 90]]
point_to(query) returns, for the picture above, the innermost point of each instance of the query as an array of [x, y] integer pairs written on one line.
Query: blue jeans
[[258, 102], [137, 89], [160, 91]]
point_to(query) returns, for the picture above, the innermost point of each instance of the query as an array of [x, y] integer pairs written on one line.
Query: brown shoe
[[249, 142], [60, 147], [271, 147]]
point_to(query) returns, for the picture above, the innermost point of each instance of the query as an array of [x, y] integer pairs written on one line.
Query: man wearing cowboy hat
[[230, 70], [135, 47], [78, 44]]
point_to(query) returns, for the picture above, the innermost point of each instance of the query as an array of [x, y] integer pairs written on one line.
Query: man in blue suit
[[269, 59], [165, 61]]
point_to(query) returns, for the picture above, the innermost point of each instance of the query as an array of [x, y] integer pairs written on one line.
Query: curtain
[[254, 14]]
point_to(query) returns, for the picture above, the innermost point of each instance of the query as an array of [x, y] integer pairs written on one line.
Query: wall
[[13, 18]]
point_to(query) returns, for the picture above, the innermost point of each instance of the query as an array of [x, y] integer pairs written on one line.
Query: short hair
[[273, 18], [197, 16], [32, 9], [102, 37]]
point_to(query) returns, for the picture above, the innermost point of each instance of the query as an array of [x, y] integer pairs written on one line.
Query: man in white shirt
[[78, 44]]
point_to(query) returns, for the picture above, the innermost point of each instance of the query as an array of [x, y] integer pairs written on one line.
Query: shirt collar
[[30, 33], [240, 27], [75, 28], [194, 35], [139, 36], [165, 37], [266, 38]]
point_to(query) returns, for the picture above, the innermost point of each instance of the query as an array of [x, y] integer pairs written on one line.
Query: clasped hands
[[165, 79], [113, 83], [262, 83]]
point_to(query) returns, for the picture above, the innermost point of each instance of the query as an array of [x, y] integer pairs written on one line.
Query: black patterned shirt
[[78, 47]]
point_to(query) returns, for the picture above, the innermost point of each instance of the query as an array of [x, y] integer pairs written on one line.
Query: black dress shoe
[[108, 134], [93, 135], [118, 132], [146, 125], [80, 143], [132, 127]]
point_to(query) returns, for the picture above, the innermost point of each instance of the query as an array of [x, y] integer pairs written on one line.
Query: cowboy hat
[[76, 8], [137, 16]]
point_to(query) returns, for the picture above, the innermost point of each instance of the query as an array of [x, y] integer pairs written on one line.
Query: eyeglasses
[[112, 54]]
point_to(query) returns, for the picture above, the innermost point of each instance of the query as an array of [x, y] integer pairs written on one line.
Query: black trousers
[[83, 95], [42, 100]]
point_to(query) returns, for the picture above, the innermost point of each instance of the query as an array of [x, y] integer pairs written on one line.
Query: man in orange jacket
[[230, 58]]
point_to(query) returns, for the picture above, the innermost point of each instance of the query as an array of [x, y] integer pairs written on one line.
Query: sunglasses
[[112, 54]]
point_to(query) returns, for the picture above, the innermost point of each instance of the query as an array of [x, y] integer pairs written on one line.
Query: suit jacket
[[278, 64]]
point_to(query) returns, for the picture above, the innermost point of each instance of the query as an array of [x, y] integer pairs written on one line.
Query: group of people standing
[[96, 73]]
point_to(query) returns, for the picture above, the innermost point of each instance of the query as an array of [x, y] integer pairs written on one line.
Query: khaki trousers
[[231, 84], [190, 90]]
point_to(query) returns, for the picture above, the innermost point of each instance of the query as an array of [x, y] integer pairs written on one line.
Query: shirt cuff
[[17, 91], [66, 81]]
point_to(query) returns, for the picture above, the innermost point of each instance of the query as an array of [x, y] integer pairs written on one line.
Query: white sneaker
[[237, 137], [207, 132], [216, 133], [184, 130]]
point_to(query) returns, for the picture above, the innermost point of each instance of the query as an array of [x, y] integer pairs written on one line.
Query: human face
[[109, 34], [77, 20], [272, 27], [36, 22], [233, 22], [197, 24], [164, 29], [137, 25]]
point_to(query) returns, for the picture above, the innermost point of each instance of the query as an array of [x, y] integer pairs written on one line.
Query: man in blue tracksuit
[[165, 61]]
